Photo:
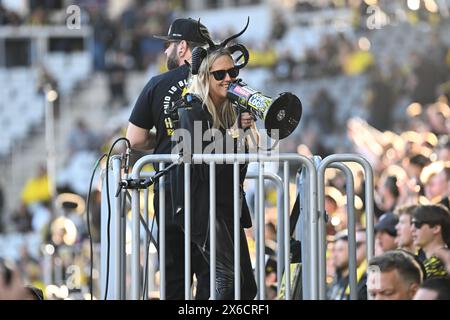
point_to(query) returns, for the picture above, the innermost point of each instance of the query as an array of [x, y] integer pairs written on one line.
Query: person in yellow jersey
[[37, 188]]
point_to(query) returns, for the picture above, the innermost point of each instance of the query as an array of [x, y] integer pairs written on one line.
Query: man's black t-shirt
[[151, 107]]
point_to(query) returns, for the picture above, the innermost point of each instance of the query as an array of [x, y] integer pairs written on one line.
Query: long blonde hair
[[224, 116]]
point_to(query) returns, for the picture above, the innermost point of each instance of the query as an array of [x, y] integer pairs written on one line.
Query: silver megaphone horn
[[280, 114]]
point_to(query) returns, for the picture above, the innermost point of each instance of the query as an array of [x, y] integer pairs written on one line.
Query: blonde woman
[[209, 109]]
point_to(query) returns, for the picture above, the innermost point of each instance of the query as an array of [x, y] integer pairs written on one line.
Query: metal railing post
[[287, 234], [162, 234], [146, 244], [255, 233], [115, 235], [280, 228], [261, 227], [212, 228], [280, 216], [368, 201], [237, 231], [313, 227], [302, 232], [187, 233], [123, 233], [351, 226], [103, 236], [114, 254], [135, 245], [321, 231]]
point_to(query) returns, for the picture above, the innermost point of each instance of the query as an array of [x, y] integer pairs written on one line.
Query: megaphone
[[282, 113]]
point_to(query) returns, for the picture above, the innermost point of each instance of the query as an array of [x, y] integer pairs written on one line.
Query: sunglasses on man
[[219, 75], [419, 224], [360, 243]]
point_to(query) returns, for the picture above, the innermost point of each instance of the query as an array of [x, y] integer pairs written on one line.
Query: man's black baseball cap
[[185, 29], [387, 223]]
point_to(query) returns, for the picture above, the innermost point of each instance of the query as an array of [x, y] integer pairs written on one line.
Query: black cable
[[88, 201], [109, 209], [146, 258], [144, 224]]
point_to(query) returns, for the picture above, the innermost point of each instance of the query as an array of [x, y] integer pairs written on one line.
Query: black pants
[[225, 263], [175, 280]]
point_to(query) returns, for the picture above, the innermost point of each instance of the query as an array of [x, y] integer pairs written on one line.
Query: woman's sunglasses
[[219, 75]]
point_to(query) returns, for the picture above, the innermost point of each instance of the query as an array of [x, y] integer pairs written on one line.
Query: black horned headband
[[199, 53]]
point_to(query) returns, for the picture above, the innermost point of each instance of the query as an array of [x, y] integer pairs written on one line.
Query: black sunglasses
[[359, 244], [419, 224], [220, 74]]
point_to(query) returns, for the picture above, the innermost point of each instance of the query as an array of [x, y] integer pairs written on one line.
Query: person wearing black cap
[[339, 289], [151, 110], [385, 233], [339, 258]]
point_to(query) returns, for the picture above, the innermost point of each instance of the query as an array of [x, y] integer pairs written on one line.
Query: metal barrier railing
[[333, 160], [281, 208], [211, 160], [351, 231], [278, 182], [314, 241]]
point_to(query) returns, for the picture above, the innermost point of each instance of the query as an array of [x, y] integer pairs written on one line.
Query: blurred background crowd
[[373, 77]]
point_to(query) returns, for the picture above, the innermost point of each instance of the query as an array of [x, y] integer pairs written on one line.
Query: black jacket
[[200, 179]]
